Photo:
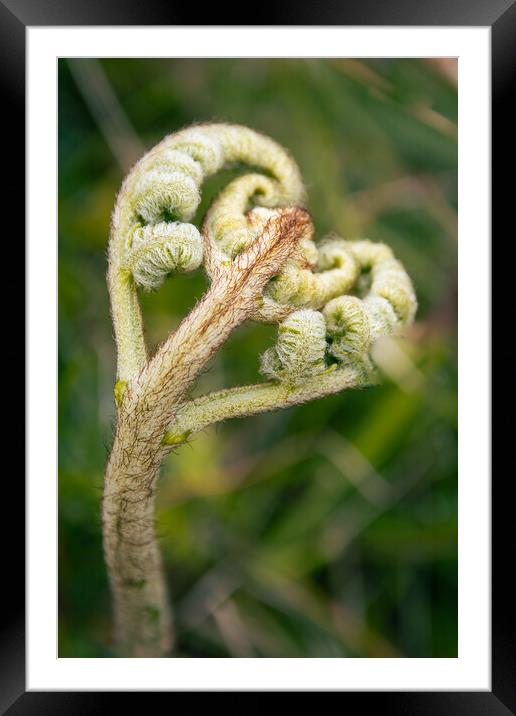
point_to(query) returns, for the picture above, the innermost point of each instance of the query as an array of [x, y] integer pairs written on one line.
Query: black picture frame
[[500, 15]]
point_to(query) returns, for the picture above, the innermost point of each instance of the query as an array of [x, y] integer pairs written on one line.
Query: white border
[[471, 670]]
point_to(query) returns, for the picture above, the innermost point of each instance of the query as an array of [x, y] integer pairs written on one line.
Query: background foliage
[[329, 529]]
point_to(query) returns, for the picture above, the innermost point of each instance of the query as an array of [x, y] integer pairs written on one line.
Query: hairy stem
[[148, 403], [142, 615], [125, 308], [230, 300], [262, 397]]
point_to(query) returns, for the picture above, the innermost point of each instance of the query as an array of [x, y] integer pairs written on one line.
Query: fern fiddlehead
[[331, 299]]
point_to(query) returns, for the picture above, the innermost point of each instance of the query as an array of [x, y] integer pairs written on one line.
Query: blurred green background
[[326, 530]]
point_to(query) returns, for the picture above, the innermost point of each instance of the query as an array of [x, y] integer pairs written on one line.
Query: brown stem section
[[231, 299], [142, 614]]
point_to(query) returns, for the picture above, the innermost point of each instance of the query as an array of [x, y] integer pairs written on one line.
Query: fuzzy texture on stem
[[332, 301], [142, 617], [198, 414]]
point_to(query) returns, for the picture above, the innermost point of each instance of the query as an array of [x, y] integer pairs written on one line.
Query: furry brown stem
[[142, 615]]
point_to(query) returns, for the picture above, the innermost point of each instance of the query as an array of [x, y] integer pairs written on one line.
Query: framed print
[[258, 356]]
